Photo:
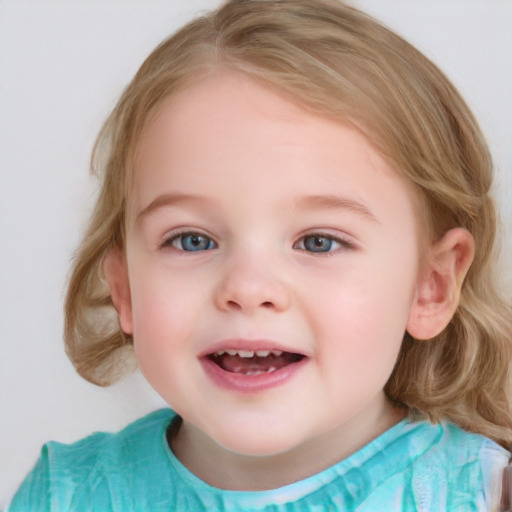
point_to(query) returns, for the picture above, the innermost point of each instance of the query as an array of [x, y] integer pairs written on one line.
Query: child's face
[[255, 226]]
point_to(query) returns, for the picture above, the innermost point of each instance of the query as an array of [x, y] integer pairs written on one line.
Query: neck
[[224, 469]]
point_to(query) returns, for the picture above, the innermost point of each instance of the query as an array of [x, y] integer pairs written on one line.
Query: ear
[[439, 284], [116, 273]]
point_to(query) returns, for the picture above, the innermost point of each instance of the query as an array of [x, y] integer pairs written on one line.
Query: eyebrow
[[332, 202], [313, 202], [165, 200]]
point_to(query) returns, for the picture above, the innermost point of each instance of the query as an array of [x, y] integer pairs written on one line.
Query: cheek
[[363, 311], [373, 293], [159, 319], [162, 298], [167, 307], [158, 338], [363, 336]]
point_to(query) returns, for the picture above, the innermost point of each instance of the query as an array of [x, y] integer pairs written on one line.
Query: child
[[294, 239]]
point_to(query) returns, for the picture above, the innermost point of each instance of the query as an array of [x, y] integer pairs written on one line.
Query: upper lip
[[248, 345]]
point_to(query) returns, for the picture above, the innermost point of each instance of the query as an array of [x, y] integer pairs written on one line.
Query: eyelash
[[180, 236], [176, 242], [342, 244]]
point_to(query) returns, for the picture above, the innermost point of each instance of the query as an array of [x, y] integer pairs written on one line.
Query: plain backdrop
[[62, 67]]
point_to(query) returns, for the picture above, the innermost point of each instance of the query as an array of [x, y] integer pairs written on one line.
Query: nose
[[250, 283]]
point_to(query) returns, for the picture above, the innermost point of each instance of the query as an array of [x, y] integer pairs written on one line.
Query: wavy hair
[[340, 63]]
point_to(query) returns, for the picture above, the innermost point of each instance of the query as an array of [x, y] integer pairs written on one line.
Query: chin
[[256, 442]]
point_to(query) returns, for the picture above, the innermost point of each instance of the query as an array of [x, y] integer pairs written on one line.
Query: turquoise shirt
[[414, 466]]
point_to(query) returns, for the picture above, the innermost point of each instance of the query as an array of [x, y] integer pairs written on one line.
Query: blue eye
[[319, 243], [316, 243], [191, 242]]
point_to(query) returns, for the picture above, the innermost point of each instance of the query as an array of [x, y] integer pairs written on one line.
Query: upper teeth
[[248, 353]]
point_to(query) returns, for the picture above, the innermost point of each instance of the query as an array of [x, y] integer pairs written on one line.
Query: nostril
[[233, 304], [267, 304]]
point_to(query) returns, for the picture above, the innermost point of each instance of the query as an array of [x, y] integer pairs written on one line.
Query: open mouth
[[250, 362]]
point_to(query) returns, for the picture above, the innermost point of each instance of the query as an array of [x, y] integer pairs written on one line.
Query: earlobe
[[440, 283], [116, 274]]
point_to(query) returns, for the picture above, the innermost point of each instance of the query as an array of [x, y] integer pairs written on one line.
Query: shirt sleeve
[[494, 460], [34, 493]]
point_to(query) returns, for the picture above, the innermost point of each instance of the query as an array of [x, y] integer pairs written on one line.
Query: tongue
[[237, 364]]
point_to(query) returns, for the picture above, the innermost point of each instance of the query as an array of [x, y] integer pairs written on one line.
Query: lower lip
[[242, 383]]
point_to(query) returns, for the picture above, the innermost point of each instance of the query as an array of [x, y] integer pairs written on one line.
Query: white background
[[62, 67]]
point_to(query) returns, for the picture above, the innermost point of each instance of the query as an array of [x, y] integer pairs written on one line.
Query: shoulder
[[468, 466], [455, 447], [100, 443], [105, 449], [67, 473]]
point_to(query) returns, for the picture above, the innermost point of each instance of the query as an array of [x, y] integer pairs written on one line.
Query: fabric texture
[[414, 466]]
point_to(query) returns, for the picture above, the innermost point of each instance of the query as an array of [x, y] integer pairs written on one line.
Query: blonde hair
[[338, 62]]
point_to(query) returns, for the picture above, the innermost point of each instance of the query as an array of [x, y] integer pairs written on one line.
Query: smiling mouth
[[249, 362]]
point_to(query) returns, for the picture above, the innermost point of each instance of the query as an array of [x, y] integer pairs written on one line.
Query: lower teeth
[[257, 372]]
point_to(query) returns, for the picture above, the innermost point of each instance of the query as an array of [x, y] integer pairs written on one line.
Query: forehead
[[228, 135]]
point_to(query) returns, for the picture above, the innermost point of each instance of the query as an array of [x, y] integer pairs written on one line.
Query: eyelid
[[346, 241], [166, 240]]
